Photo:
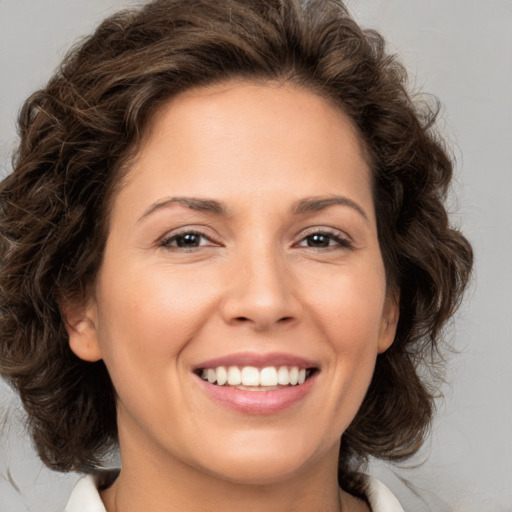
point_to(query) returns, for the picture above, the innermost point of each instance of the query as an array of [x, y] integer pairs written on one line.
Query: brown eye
[[318, 240], [322, 240], [187, 240]]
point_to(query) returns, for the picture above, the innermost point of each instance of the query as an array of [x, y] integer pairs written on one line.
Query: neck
[[173, 494], [153, 479], [175, 488]]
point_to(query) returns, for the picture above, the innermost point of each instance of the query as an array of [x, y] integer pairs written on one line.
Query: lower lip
[[258, 402]]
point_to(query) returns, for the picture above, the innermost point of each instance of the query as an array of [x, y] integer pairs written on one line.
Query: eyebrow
[[193, 203], [302, 207], [315, 204]]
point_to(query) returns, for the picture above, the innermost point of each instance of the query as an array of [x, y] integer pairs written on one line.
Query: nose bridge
[[261, 286]]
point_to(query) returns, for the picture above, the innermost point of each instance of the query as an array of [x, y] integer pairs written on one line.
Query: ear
[[389, 321], [81, 326]]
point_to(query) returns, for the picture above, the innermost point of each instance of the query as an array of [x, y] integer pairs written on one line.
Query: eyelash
[[340, 242], [166, 242]]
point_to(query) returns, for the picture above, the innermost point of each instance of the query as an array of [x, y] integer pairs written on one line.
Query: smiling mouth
[[251, 378]]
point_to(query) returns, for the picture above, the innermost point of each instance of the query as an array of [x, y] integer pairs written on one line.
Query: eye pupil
[[318, 240], [188, 240]]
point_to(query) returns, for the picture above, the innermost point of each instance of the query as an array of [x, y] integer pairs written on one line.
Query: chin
[[258, 464], [260, 472]]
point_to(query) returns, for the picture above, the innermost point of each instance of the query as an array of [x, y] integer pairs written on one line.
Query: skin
[[255, 283]]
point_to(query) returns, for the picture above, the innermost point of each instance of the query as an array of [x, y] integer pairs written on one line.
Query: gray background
[[459, 50]]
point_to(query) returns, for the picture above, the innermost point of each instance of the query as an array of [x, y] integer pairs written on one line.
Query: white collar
[[85, 497], [381, 499]]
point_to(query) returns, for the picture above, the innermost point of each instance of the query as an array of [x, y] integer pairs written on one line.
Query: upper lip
[[258, 360]]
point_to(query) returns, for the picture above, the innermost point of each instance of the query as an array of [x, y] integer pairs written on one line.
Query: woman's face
[[242, 245]]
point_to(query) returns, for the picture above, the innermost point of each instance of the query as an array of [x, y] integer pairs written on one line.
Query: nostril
[[283, 320]]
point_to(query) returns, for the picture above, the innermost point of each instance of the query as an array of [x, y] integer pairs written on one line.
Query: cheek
[[348, 305], [146, 321], [150, 315], [354, 336], [348, 309]]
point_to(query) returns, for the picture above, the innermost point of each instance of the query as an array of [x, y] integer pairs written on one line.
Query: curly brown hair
[[77, 135]]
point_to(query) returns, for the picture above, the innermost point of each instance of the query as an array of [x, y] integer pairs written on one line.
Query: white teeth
[[222, 375], [283, 376], [234, 376], [252, 377], [268, 376], [211, 375]]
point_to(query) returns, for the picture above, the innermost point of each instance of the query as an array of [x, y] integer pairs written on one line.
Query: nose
[[260, 292]]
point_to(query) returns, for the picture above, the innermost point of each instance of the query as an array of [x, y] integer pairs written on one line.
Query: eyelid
[[164, 240], [327, 230], [343, 239]]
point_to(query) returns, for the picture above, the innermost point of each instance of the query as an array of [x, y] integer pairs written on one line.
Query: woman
[[225, 250]]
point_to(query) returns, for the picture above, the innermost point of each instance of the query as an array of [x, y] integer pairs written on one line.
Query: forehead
[[237, 101], [250, 137]]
